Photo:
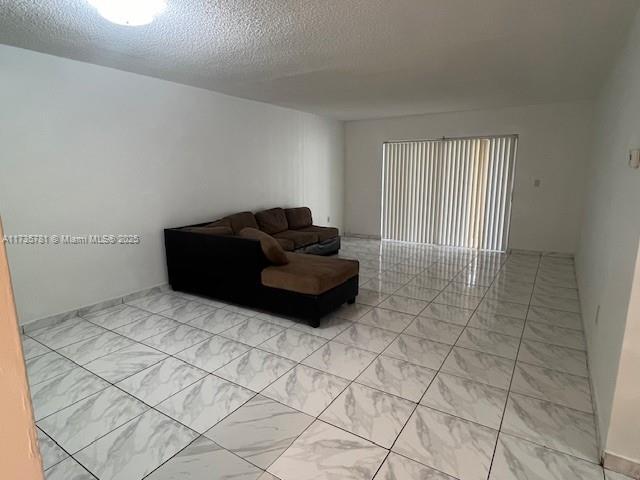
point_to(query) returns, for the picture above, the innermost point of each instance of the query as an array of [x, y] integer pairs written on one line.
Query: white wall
[[609, 244], [553, 147], [88, 149]]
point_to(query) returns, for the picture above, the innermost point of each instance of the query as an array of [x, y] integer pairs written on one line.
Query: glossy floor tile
[[326, 452], [260, 430], [78, 425], [204, 459], [466, 399], [369, 413], [516, 458], [204, 403], [397, 377], [451, 365], [306, 389], [555, 426], [136, 448], [450, 444]]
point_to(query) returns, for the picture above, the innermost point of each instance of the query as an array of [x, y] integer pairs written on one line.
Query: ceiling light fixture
[[131, 13]]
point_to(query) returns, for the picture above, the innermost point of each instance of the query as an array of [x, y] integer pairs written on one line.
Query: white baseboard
[[60, 317]]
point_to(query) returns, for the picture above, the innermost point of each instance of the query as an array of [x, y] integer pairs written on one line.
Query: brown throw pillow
[[270, 246], [210, 230]]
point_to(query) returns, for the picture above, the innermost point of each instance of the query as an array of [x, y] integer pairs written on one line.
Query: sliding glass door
[[454, 192]]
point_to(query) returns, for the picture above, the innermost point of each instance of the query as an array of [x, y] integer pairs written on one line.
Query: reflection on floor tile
[[517, 458], [47, 366], [204, 403], [32, 349], [326, 452], [555, 357], [435, 330], [203, 459], [135, 448], [564, 337], [157, 303], [213, 353], [555, 317], [497, 323], [177, 339], [78, 425], [329, 327], [252, 331], [366, 337], [158, 382], [118, 316], [218, 321], [467, 399], [447, 443], [55, 394], [67, 332], [147, 327], [397, 377], [306, 389], [95, 347], [489, 342], [260, 430], [50, 453], [562, 388], [478, 366], [551, 425], [68, 469], [255, 369], [188, 311], [419, 351], [397, 467], [447, 313], [342, 360], [369, 413], [387, 319], [119, 365], [293, 344]]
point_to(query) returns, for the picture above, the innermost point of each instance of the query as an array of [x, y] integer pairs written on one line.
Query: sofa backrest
[[272, 220], [299, 217], [241, 220]]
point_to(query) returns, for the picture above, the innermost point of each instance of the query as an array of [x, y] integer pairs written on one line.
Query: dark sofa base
[[283, 302]]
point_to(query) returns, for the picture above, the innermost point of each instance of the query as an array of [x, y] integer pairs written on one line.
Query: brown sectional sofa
[[249, 259]]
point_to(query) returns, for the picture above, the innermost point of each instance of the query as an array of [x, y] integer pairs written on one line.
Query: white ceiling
[[348, 59]]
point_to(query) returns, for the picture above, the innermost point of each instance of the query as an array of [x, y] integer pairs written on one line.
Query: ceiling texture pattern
[[348, 59]]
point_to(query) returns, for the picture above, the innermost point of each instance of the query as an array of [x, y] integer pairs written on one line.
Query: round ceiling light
[[131, 13]]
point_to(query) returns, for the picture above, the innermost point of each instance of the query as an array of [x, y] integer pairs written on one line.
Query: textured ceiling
[[348, 58]]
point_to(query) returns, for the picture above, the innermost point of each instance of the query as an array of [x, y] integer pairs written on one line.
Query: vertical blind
[[454, 192]]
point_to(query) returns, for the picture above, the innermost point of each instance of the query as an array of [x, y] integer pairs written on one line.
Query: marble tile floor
[[452, 365]]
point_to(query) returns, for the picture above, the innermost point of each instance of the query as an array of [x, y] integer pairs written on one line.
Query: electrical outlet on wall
[[328, 219], [597, 315], [536, 182]]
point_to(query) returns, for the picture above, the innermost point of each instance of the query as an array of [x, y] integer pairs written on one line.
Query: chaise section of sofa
[[239, 269]]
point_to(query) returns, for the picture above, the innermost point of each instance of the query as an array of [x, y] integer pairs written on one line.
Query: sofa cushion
[[216, 230], [299, 239], [241, 220], [324, 233], [286, 244], [309, 274], [298, 217], [272, 221], [270, 247]]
